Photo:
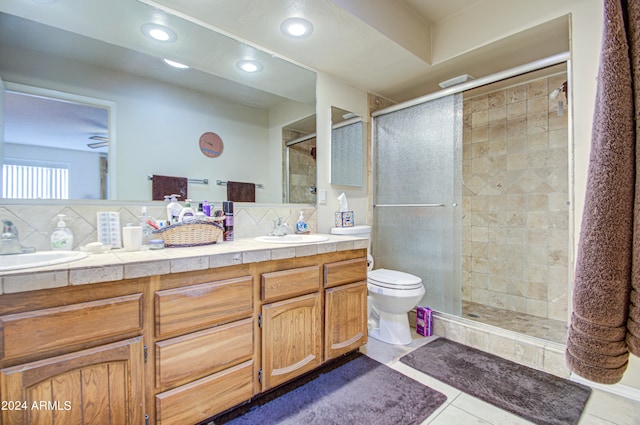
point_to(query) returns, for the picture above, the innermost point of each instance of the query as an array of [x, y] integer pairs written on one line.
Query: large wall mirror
[[130, 114], [346, 148]]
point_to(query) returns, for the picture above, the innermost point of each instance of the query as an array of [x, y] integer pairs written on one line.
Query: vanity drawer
[[206, 397], [200, 353], [343, 272], [290, 283], [43, 330], [197, 306]]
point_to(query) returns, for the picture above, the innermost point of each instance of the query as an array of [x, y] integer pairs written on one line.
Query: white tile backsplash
[[36, 222]]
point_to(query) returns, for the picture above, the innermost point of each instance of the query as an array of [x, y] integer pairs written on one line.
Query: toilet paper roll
[[369, 262]]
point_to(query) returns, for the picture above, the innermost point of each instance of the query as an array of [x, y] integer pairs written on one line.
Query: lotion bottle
[[62, 237], [186, 213]]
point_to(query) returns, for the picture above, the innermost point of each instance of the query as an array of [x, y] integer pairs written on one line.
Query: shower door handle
[[408, 205]]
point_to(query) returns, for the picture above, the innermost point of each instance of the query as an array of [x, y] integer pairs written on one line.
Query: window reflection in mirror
[[346, 148], [54, 148], [299, 143]]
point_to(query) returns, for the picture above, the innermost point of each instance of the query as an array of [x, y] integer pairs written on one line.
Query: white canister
[[132, 238]]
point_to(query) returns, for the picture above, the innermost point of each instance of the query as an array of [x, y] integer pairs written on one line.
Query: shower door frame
[[564, 57]]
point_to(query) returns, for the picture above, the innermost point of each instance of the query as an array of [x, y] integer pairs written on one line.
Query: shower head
[[555, 93]]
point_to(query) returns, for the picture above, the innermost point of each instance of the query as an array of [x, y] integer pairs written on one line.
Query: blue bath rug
[[360, 391], [537, 396]]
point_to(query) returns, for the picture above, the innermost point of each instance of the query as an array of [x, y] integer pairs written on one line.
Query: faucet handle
[[9, 227]]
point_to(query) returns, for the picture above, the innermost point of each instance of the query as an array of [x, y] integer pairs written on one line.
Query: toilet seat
[[393, 279]]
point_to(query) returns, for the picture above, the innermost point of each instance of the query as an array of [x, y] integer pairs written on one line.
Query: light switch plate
[[322, 196]]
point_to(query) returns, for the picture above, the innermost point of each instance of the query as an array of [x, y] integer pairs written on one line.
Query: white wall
[[333, 92]]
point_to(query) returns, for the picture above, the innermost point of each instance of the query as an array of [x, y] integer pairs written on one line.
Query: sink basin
[[38, 259], [292, 239]]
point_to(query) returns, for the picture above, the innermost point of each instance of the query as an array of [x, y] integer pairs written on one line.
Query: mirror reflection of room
[[346, 148], [54, 148], [158, 108], [299, 144]]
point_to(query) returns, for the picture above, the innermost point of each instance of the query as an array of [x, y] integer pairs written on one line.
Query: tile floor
[[539, 327], [602, 408]]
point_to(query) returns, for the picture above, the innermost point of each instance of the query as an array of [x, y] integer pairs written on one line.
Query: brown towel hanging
[[241, 192], [168, 185]]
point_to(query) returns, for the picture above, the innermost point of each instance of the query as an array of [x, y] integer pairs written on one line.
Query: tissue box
[[344, 219], [424, 321]]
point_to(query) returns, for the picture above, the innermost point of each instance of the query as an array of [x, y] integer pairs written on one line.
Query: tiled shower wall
[[35, 222], [302, 172], [515, 200]]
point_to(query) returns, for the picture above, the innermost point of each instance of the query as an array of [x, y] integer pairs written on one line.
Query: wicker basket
[[192, 233]]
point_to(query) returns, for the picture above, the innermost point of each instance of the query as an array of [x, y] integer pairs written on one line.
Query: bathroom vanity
[[176, 336]]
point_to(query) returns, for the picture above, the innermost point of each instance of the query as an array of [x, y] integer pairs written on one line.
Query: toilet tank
[[362, 231]]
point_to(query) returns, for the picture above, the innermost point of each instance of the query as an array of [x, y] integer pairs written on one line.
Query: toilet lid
[[393, 279]]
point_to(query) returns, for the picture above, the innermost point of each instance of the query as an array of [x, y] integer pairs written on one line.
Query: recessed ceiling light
[[296, 28], [175, 64], [159, 33], [249, 65]]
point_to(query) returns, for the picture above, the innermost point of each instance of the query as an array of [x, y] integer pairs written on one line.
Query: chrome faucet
[[280, 227], [10, 242]]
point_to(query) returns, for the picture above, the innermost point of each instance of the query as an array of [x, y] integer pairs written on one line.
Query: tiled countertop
[[120, 264]]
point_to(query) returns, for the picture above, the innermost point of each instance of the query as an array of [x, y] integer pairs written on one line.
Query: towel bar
[[197, 181], [223, 183]]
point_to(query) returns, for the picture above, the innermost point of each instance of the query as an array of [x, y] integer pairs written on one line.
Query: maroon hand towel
[[168, 185], [241, 192]]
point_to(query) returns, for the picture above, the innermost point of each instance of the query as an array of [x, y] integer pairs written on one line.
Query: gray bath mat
[[361, 391], [537, 396]]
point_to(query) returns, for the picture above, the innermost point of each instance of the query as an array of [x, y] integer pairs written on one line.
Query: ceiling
[[385, 47], [381, 46]]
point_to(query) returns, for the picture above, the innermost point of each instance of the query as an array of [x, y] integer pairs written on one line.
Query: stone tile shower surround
[[515, 200], [35, 222]]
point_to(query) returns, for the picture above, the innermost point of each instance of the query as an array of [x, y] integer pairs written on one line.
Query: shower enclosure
[[472, 193], [417, 195]]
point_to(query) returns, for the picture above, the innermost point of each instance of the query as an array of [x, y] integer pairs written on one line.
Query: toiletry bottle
[[173, 209], [186, 213], [146, 229], [206, 208], [301, 224], [62, 237], [227, 207], [200, 215]]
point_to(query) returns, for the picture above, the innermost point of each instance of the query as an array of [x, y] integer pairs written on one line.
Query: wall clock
[[211, 145]]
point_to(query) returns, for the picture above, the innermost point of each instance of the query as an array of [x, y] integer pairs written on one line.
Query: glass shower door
[[417, 195]]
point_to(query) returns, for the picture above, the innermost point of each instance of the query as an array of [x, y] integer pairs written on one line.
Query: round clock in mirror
[[211, 145]]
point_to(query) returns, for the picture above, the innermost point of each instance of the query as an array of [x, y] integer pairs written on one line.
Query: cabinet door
[[291, 339], [102, 385], [345, 319]]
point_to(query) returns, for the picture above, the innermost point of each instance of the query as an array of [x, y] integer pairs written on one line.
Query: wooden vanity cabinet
[[102, 385], [73, 356], [345, 311], [292, 325], [180, 348], [204, 344]]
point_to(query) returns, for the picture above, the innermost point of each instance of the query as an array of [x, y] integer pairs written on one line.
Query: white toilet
[[391, 295]]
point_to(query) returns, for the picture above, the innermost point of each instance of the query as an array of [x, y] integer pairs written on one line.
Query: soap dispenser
[[62, 237], [301, 224]]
